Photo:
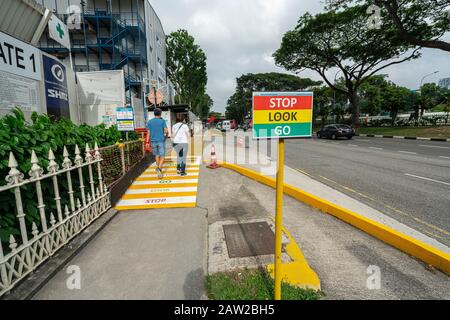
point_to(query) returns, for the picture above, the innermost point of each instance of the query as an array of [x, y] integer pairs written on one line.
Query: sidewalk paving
[[140, 254]]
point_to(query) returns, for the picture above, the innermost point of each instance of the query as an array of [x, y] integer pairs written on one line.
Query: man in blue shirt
[[158, 132]]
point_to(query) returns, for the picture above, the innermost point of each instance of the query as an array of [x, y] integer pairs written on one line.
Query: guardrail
[[64, 204], [37, 241]]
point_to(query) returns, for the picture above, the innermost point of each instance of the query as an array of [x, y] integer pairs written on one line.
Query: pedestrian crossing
[[172, 191]]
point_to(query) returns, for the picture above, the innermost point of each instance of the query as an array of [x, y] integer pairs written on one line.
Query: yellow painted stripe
[[297, 272], [158, 195], [175, 159], [264, 116], [156, 206], [173, 185], [401, 241], [174, 163], [174, 170], [168, 178]]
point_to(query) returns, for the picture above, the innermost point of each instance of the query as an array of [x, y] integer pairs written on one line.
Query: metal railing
[[39, 238], [118, 159]]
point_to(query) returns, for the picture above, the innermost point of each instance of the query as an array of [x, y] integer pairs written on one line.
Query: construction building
[[112, 35]]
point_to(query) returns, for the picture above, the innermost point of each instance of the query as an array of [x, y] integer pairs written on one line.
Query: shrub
[[42, 133]]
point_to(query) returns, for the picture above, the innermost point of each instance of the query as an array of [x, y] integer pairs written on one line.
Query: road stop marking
[[173, 191]]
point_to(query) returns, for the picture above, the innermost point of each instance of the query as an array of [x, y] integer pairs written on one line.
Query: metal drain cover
[[249, 239]]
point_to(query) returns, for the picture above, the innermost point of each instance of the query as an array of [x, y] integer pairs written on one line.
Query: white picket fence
[[26, 253]]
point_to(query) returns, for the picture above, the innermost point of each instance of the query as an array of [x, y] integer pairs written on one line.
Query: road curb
[[298, 272], [407, 244], [401, 137]]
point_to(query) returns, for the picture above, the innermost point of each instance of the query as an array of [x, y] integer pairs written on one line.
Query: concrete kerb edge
[[298, 272], [405, 243], [401, 137]]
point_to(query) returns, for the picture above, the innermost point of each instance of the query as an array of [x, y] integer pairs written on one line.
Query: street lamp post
[[420, 90], [427, 75]]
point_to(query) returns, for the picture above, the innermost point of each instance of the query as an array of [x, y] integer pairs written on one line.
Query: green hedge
[[41, 134]]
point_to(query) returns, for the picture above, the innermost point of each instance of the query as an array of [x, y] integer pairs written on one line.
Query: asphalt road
[[408, 180]]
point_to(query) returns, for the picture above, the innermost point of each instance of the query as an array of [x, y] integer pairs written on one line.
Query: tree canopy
[[239, 105], [419, 22], [343, 40], [186, 63]]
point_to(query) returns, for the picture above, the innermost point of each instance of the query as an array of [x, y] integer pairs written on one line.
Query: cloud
[[239, 36]]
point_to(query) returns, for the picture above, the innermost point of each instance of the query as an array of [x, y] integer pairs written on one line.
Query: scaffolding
[[119, 42]]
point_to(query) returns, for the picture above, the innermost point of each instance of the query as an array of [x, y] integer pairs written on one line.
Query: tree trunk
[[394, 113], [416, 115], [353, 98]]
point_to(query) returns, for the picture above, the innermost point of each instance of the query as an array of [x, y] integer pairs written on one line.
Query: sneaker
[[183, 174], [159, 173]]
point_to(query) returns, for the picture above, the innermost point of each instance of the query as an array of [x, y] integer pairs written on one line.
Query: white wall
[[100, 93]]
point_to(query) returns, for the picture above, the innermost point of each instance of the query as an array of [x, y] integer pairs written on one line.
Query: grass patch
[[253, 285], [426, 132]]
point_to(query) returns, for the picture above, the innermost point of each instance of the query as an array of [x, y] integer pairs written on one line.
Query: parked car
[[335, 131]]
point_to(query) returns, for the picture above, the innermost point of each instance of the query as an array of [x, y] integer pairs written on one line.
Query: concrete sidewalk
[[163, 253], [266, 165], [140, 254]]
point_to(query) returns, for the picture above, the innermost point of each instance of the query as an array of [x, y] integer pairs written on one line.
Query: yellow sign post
[[279, 218], [281, 115]]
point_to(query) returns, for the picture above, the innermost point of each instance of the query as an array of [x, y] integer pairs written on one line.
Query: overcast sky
[[240, 36]]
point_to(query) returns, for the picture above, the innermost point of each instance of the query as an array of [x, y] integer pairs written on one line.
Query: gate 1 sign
[[282, 114]]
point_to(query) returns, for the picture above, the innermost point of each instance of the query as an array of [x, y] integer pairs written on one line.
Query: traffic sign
[[282, 114], [151, 96]]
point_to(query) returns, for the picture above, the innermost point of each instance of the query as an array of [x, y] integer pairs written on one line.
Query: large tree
[[372, 94], [422, 23], [240, 103], [205, 106], [329, 102], [397, 99], [343, 40], [379, 95], [430, 96], [186, 63]]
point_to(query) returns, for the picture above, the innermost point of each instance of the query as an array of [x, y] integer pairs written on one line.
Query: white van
[[226, 125]]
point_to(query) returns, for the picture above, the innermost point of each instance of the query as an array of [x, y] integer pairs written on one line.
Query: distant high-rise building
[[445, 83]]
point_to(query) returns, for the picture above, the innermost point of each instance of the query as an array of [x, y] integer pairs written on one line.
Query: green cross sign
[[60, 31]]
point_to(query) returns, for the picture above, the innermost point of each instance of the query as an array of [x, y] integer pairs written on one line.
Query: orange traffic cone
[[213, 164]]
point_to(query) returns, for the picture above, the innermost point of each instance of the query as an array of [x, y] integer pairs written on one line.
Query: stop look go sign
[[282, 114]]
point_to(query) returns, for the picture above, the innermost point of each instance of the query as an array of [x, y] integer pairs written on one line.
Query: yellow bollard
[[279, 219]]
